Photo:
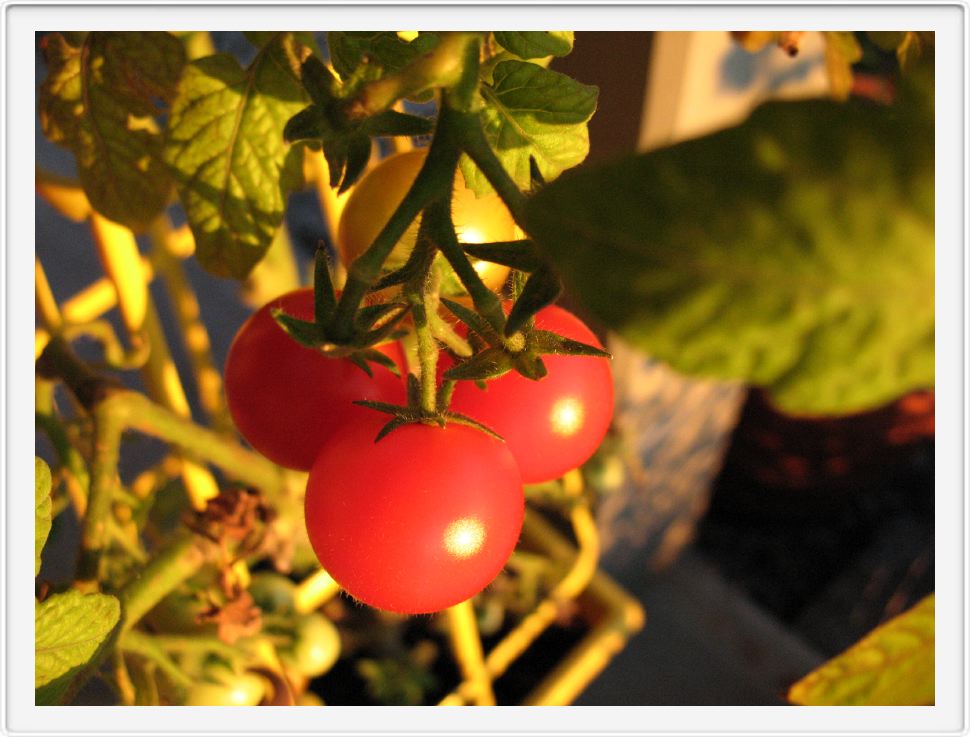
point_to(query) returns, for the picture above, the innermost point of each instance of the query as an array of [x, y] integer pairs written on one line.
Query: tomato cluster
[[426, 517]]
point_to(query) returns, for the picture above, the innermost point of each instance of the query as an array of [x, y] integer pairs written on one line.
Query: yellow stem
[[467, 645]]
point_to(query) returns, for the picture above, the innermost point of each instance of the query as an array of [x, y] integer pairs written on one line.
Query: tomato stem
[[434, 180]]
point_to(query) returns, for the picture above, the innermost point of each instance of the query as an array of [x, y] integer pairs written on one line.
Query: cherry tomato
[[286, 399], [417, 522], [381, 190], [554, 424]]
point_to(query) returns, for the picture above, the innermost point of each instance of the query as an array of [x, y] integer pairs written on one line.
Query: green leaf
[[795, 251], [489, 364], [535, 44], [384, 49], [894, 665], [842, 50], [305, 332], [42, 509], [100, 100], [521, 255], [69, 631], [532, 111], [225, 144]]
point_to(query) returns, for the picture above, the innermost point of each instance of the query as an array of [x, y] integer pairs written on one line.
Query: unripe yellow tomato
[[381, 190]]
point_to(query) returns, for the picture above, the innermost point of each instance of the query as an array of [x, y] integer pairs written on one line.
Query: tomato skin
[[381, 190], [420, 521], [552, 425], [286, 399]]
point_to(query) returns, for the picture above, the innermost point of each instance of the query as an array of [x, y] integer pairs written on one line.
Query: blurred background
[[758, 544]]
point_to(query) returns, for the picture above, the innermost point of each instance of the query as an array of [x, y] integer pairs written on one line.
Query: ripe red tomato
[[417, 522], [552, 425], [286, 399]]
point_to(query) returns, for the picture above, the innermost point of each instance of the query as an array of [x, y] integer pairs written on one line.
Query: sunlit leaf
[[42, 509], [894, 665], [100, 99], [69, 630], [233, 168], [533, 112], [842, 50], [383, 49]]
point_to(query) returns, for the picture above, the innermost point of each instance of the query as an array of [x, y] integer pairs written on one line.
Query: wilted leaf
[[533, 112], [100, 100], [225, 143], [894, 665], [795, 251], [69, 629], [42, 509], [535, 44]]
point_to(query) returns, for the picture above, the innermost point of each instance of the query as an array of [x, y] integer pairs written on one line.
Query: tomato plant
[[211, 554], [287, 399], [379, 192], [417, 522]]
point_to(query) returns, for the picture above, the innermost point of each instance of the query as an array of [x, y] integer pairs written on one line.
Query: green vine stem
[[134, 411], [108, 426], [423, 296], [433, 181], [173, 565], [474, 143], [138, 643]]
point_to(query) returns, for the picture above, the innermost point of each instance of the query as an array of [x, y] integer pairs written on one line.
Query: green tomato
[[272, 592], [223, 687], [315, 648]]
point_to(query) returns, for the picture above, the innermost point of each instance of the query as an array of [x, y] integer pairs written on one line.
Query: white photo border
[[20, 21]]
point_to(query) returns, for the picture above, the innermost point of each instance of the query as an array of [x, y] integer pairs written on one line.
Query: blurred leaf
[[42, 509], [795, 251], [383, 49], [535, 44], [100, 99], [233, 169], [69, 630], [842, 50], [533, 112], [894, 665]]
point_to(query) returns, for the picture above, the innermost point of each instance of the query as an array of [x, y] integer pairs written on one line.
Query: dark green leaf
[[383, 49], [533, 112], [388, 409], [100, 100], [536, 44], [894, 665], [368, 316], [521, 255], [69, 630], [42, 509], [531, 366], [488, 364], [309, 123], [472, 319], [393, 123], [541, 290], [358, 154], [319, 81], [461, 419], [795, 251], [391, 427], [546, 342], [381, 359], [304, 332], [225, 144]]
